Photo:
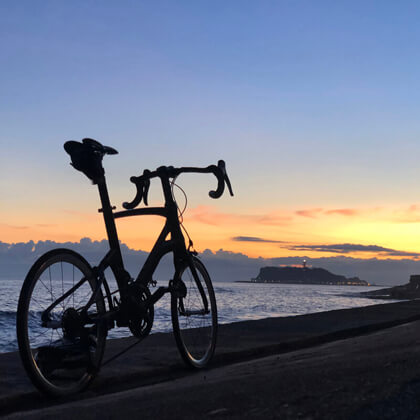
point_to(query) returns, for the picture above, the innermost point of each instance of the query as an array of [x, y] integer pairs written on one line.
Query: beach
[[334, 364]]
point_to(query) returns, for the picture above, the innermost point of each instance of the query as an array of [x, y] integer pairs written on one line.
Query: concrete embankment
[[155, 360]]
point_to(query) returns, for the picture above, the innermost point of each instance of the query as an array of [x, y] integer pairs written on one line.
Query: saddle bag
[[85, 159]]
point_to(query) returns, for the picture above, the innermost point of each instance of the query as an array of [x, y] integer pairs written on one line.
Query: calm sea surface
[[235, 302]]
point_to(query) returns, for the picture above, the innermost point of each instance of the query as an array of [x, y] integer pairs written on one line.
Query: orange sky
[[266, 233]]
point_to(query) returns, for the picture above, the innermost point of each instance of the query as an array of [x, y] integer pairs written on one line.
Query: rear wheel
[[194, 315], [60, 350]]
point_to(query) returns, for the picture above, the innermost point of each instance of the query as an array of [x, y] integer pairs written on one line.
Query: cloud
[[407, 215], [348, 248], [209, 216], [230, 266], [343, 212], [14, 227], [255, 239], [16, 259], [312, 213], [315, 212]]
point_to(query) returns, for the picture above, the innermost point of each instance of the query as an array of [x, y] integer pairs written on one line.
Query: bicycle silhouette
[[66, 306]]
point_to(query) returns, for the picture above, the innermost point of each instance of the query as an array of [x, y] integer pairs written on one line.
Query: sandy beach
[[356, 363]]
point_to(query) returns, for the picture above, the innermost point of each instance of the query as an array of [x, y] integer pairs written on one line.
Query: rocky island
[[408, 291], [305, 275]]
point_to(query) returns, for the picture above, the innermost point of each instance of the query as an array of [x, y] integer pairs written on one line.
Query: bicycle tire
[[63, 359], [195, 329]]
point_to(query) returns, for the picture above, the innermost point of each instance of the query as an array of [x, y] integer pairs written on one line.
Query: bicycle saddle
[[86, 156], [86, 145]]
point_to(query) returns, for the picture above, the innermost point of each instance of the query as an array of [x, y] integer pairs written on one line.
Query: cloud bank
[[16, 260], [315, 212], [347, 248], [255, 239]]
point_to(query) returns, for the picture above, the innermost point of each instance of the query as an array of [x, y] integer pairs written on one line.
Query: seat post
[[109, 217]]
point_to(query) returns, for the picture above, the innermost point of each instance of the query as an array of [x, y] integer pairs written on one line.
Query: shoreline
[[345, 379], [156, 359], [234, 303], [305, 284]]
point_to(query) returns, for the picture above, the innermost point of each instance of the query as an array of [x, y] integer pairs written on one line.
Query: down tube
[[160, 248]]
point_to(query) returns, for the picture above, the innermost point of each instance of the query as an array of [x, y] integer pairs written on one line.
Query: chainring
[[141, 322]]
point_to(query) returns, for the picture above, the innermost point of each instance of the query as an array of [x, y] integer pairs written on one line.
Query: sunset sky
[[314, 106]]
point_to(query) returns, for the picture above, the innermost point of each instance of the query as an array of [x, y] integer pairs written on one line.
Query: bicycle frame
[[113, 258], [162, 245]]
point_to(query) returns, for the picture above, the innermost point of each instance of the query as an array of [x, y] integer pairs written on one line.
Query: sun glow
[[362, 233]]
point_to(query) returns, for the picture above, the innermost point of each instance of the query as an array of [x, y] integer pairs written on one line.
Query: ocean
[[235, 302]]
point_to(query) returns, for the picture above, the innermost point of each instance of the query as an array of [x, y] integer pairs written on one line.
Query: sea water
[[235, 302]]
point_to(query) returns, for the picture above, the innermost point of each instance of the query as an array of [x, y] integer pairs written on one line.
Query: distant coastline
[[303, 275], [314, 284], [407, 291]]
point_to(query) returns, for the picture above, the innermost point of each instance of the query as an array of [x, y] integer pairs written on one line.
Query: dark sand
[[338, 364]]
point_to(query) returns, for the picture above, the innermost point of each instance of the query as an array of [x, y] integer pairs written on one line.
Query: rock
[[407, 291]]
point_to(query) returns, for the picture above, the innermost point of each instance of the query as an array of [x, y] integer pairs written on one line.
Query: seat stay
[[98, 275], [99, 280], [46, 313]]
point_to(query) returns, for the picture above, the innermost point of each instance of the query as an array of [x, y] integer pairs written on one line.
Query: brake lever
[[142, 191], [137, 199], [222, 166], [220, 181]]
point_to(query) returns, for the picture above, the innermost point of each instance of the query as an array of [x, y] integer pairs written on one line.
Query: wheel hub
[[72, 323]]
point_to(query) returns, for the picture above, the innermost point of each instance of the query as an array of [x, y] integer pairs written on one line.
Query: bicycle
[[66, 307]]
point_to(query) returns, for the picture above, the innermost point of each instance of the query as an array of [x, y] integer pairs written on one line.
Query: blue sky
[[311, 104]]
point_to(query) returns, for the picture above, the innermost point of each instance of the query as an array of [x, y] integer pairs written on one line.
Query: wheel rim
[[197, 326], [63, 359]]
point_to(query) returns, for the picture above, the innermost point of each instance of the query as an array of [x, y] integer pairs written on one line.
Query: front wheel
[[61, 348], [194, 315]]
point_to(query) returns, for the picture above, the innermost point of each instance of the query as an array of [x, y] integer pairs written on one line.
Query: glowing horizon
[[312, 232]]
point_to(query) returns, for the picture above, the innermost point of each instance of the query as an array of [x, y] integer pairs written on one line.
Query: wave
[[235, 301], [7, 315]]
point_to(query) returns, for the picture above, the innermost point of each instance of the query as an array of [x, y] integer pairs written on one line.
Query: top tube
[[145, 211]]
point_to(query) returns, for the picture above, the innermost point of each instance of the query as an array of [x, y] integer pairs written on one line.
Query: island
[[304, 275]]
